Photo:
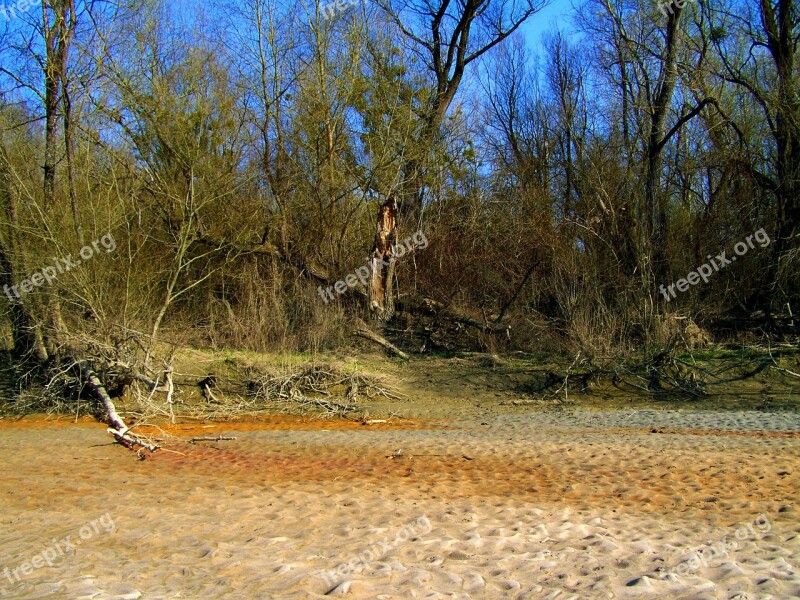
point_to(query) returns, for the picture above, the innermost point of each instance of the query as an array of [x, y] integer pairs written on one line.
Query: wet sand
[[573, 504]]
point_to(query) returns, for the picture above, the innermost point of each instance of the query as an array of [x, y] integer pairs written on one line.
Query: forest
[[303, 177]]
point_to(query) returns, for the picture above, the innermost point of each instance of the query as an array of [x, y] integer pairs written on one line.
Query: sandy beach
[[400, 299], [574, 504]]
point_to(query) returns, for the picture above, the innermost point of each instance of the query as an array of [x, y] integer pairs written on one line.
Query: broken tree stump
[[381, 292]]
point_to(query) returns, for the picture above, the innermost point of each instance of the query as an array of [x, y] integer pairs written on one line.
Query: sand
[[569, 504]]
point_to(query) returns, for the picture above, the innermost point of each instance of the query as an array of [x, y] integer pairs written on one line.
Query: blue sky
[[557, 13]]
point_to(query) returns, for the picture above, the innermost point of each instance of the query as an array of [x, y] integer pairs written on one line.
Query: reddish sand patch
[[289, 423], [39, 420], [588, 474], [713, 480], [202, 428]]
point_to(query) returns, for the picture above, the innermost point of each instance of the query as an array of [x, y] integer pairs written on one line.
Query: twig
[[219, 438], [787, 371]]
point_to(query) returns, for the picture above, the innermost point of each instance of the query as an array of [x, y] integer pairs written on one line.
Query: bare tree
[[770, 79], [660, 106], [448, 36]]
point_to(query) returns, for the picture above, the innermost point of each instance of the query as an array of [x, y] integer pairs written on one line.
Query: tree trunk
[[381, 286], [655, 210], [26, 335], [451, 28], [69, 146], [54, 59], [58, 33], [781, 43]]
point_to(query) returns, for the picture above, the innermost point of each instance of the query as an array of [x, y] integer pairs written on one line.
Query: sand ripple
[[562, 505]]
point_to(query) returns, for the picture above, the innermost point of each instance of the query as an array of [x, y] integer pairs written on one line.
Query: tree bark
[[381, 284], [117, 426], [365, 332], [655, 210], [780, 30]]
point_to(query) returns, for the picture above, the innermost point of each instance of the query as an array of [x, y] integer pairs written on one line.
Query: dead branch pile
[[117, 363], [318, 388], [660, 374], [85, 373], [664, 374], [65, 387]]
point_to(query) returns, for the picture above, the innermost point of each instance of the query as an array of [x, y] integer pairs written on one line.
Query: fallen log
[[170, 392], [365, 332], [127, 440], [117, 426]]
